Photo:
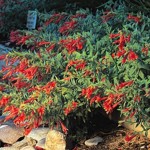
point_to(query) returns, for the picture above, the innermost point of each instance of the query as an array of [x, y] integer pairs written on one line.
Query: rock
[[41, 143], [93, 141], [55, 140], [10, 134], [24, 142], [38, 133], [28, 148], [8, 148]]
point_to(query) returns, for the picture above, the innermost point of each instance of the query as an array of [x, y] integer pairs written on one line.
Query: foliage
[[75, 63]]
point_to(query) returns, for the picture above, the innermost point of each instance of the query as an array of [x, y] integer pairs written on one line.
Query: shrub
[[75, 63]]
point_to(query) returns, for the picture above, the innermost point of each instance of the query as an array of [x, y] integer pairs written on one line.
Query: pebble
[[93, 141]]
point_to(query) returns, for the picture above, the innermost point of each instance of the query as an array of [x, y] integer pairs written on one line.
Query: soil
[[114, 138]]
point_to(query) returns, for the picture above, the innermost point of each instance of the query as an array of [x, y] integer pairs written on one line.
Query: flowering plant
[[77, 62]]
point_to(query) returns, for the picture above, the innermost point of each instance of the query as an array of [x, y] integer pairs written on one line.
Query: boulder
[[38, 133], [55, 140], [10, 134]]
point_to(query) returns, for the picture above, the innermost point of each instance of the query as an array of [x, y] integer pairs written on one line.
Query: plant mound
[[75, 63]]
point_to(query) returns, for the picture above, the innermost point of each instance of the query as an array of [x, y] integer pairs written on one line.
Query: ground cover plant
[[75, 63]]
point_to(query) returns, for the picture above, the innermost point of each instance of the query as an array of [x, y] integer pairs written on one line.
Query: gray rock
[[28, 148], [93, 141], [41, 143], [38, 133], [55, 140], [10, 134]]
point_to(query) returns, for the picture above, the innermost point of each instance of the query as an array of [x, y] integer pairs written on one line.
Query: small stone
[[38, 133], [28, 148], [93, 141], [55, 140], [10, 134], [41, 143]]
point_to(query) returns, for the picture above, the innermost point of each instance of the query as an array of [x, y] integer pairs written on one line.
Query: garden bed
[[75, 63]]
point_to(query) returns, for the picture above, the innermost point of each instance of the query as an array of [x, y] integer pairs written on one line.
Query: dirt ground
[[114, 137], [115, 140]]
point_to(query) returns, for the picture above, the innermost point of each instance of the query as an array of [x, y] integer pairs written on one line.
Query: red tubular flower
[[120, 53], [132, 55], [112, 101], [22, 40], [4, 100], [30, 72], [49, 87], [97, 99], [41, 111], [145, 50], [70, 108], [124, 84], [2, 57], [2, 88], [22, 65], [107, 16], [30, 100], [128, 138], [28, 130], [137, 98], [80, 66], [78, 15], [87, 92], [14, 36], [136, 19], [64, 129], [13, 112], [20, 119], [51, 47], [114, 35], [19, 84], [68, 26], [41, 43], [73, 45], [67, 110], [55, 18]]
